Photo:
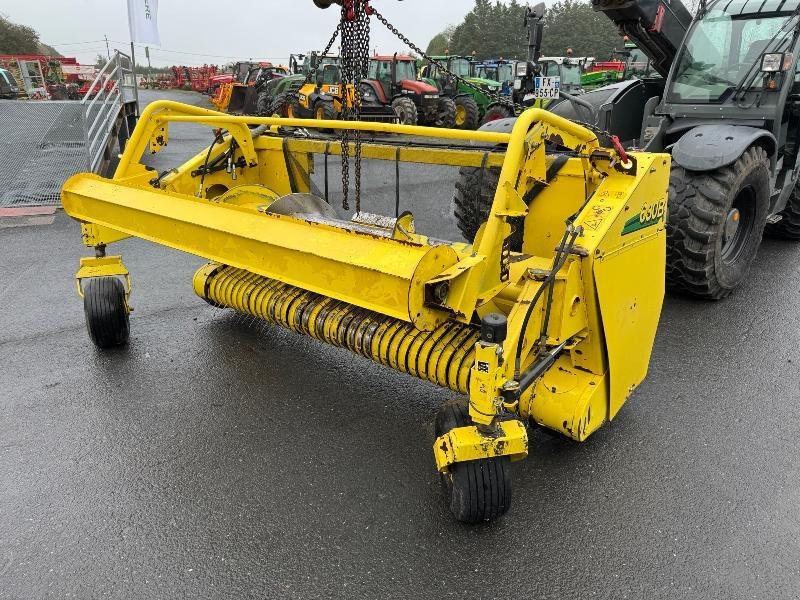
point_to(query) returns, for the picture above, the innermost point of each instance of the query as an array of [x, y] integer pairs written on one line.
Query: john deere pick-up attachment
[[559, 334]]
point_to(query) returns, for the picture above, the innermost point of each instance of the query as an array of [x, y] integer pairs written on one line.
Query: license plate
[[546, 87]]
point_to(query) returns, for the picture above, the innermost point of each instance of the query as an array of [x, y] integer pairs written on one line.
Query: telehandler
[[557, 334], [726, 105]]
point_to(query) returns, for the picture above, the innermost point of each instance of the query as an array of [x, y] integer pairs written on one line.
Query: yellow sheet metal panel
[[568, 400], [629, 273], [630, 287]]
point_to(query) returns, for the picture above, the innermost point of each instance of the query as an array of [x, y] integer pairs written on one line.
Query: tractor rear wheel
[[476, 490], [406, 111], [106, 311], [263, 104], [788, 228], [475, 189], [468, 115], [498, 111], [445, 113], [715, 224]]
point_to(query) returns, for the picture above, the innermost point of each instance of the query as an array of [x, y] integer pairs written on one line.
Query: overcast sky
[[225, 31]]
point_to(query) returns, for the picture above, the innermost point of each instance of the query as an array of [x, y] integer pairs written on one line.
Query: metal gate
[[42, 143]]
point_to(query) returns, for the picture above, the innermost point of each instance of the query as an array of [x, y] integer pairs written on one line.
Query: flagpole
[[135, 80]]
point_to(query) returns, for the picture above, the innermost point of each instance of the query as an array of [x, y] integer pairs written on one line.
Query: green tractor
[[476, 99]]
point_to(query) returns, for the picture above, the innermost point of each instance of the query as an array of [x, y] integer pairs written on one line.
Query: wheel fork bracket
[[106, 266], [506, 438]]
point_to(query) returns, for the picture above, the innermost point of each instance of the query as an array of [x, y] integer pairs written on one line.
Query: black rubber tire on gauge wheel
[[788, 228], [476, 490], [107, 318], [715, 224], [406, 111], [474, 194]]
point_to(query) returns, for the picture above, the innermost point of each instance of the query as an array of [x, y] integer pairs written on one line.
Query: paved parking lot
[[218, 458]]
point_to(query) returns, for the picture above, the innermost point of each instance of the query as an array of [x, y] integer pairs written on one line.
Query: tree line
[[21, 39], [496, 30]]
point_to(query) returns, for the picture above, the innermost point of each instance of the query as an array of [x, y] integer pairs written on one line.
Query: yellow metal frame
[[606, 296]]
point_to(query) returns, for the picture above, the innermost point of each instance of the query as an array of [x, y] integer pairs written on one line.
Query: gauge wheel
[[475, 490], [106, 311]]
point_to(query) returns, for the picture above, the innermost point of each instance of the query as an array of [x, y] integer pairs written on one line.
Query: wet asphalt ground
[[214, 457]]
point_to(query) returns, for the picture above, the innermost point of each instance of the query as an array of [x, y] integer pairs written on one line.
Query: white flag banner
[[143, 21]]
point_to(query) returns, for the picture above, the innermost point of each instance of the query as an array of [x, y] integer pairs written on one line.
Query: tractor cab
[[501, 71], [637, 63], [394, 81], [568, 68], [474, 96]]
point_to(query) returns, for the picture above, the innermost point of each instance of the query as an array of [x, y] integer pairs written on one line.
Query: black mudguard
[[708, 147]]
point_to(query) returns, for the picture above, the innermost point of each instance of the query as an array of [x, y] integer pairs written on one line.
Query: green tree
[[574, 24], [496, 29], [440, 43], [17, 39]]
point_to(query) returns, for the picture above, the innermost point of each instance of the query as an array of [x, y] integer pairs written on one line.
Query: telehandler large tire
[[715, 223], [476, 490], [788, 228], [475, 189], [406, 111], [106, 311]]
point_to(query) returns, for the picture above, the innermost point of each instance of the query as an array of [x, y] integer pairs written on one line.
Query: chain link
[[496, 97], [355, 61]]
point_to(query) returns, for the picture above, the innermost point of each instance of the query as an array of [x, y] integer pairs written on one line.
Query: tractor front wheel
[[498, 111], [106, 311], [406, 111], [285, 105], [716, 221], [788, 228], [324, 111], [468, 115], [445, 113], [476, 490]]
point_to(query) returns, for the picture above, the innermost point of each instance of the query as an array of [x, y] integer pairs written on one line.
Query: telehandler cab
[[557, 333]]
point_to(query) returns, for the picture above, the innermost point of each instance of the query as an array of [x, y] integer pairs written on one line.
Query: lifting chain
[[441, 65], [354, 26], [312, 72]]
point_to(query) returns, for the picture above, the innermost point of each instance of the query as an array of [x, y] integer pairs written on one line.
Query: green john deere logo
[[649, 216]]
